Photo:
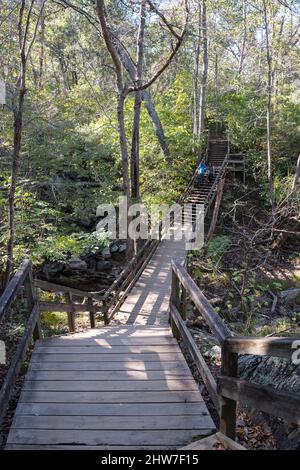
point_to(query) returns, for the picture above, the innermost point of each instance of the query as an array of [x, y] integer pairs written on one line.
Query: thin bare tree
[[269, 99], [204, 69], [27, 32]]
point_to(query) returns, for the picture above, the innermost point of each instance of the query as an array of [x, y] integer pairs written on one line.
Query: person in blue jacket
[[201, 172]]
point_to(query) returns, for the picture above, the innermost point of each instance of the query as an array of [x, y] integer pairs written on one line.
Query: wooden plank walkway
[[125, 387], [148, 301]]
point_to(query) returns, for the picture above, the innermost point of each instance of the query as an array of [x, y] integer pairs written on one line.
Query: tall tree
[[269, 98], [196, 76], [135, 138], [136, 87], [26, 41], [204, 69]]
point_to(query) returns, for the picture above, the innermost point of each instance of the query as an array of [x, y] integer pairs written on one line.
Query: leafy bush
[[217, 248], [59, 248]]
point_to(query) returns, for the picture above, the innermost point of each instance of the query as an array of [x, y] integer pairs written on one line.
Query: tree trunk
[[269, 104], [42, 52], [159, 130], [18, 126], [204, 70], [135, 142], [245, 34], [196, 78], [146, 97]]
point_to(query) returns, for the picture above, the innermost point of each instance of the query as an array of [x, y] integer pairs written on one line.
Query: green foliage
[[61, 247], [217, 248]]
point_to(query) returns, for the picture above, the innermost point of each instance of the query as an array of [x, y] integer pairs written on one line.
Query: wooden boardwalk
[[148, 302], [126, 386]]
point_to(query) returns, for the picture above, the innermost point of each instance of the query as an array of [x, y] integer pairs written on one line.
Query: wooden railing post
[[227, 406], [32, 301], [71, 315], [183, 303], [92, 313], [175, 299], [105, 312]]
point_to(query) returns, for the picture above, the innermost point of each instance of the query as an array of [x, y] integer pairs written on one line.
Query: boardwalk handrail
[[229, 389], [21, 281], [13, 288], [215, 184]]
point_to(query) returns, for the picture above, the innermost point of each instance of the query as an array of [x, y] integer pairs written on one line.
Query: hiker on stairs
[[201, 172]]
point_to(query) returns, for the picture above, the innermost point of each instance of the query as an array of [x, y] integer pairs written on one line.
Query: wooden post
[[216, 209], [32, 301], [105, 312], [183, 303], [92, 314], [71, 315], [175, 299], [228, 406]]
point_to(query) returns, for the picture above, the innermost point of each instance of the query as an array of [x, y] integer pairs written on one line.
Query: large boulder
[[52, 268], [274, 371], [122, 248], [103, 266], [77, 264], [290, 296], [106, 253]]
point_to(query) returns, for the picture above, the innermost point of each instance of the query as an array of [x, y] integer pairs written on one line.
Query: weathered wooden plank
[[67, 307], [133, 375], [229, 443], [199, 361], [52, 287], [285, 405], [145, 357], [111, 386], [278, 347], [97, 437], [115, 333], [113, 422], [107, 342], [110, 397], [208, 443], [122, 365], [78, 350], [211, 442], [114, 409], [214, 321]]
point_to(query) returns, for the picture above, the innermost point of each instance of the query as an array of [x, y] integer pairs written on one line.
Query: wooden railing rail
[[213, 189], [21, 282], [13, 289], [91, 303], [228, 389]]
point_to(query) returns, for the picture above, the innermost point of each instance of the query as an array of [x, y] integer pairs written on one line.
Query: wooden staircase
[[206, 192]]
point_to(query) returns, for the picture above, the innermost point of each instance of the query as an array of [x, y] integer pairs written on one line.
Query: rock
[[273, 371], [291, 296], [214, 353], [122, 248], [114, 249], [294, 438], [106, 253], [77, 263], [103, 266], [53, 268]]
